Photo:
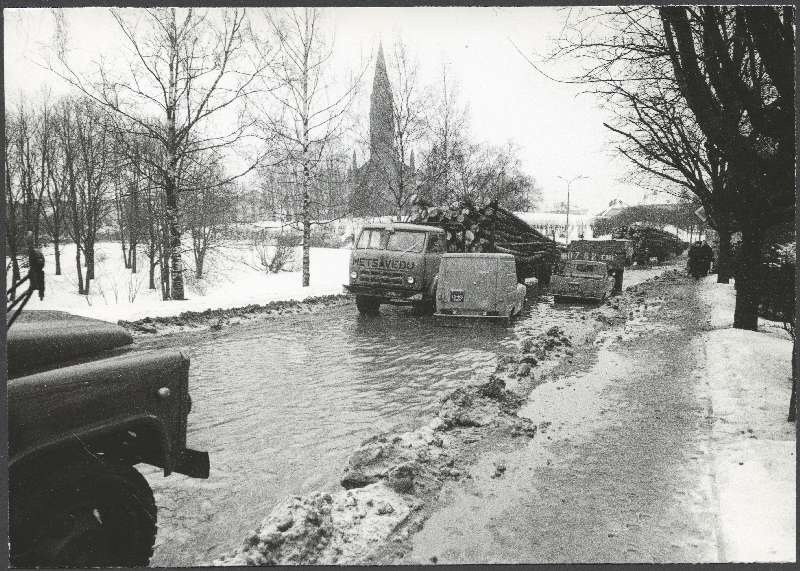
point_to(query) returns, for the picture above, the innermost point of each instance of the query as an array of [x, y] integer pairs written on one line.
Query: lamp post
[[569, 183]]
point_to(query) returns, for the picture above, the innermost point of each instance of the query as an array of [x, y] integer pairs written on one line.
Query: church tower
[[381, 113]]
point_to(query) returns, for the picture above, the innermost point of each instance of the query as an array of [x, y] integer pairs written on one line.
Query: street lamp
[[569, 183]]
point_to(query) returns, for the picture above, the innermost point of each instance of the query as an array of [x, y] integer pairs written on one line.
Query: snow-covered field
[[231, 280]]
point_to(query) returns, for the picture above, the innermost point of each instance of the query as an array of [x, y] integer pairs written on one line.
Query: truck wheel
[[84, 515], [367, 305], [427, 307]]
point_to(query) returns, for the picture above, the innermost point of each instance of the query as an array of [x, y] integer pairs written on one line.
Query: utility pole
[[569, 183]]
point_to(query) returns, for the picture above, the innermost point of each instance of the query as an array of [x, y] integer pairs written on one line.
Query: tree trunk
[[89, 255], [724, 261], [152, 283], [79, 269], [748, 274], [176, 263], [57, 252], [132, 256]]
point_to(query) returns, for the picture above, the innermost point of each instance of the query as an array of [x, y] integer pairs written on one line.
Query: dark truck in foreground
[[83, 410]]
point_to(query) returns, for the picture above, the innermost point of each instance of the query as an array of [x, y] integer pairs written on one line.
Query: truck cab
[[479, 285], [396, 263]]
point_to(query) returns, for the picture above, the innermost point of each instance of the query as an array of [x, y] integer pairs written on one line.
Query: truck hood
[[46, 339]]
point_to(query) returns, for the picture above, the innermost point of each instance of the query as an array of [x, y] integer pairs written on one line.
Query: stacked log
[[492, 228], [650, 242]]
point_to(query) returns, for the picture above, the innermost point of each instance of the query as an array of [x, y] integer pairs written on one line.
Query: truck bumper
[[393, 296], [192, 463]]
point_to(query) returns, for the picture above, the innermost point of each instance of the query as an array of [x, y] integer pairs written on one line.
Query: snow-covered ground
[[748, 375], [231, 279]]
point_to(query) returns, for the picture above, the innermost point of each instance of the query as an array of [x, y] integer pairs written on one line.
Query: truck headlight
[[410, 280], [353, 275]]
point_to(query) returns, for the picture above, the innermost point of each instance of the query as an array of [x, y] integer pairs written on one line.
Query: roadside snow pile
[[323, 528], [748, 376], [387, 481], [228, 282], [216, 319]]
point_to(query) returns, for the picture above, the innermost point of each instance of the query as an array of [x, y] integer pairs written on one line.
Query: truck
[[396, 263], [591, 269], [617, 254], [84, 409]]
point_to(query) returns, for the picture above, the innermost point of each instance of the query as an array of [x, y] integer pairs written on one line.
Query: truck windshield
[[397, 241], [404, 241]]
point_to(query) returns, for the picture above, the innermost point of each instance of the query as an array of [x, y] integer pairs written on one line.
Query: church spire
[[381, 112]]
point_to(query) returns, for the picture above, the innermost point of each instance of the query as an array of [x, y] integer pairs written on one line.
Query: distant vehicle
[[396, 263], [616, 253], [83, 409], [582, 280], [479, 286]]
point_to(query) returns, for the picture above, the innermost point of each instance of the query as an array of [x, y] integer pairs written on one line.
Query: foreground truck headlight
[[353, 275], [410, 280]]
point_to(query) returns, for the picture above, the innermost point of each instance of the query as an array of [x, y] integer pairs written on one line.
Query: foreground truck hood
[[45, 339]]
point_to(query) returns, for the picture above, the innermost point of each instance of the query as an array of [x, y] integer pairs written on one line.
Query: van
[[479, 285]]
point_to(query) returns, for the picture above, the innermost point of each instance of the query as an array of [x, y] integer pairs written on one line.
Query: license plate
[[457, 295]]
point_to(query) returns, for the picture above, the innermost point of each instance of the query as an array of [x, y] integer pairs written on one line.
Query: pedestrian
[[706, 257], [693, 262]]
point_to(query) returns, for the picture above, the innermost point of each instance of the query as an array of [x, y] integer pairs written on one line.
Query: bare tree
[[720, 92], [186, 65], [208, 209], [448, 133], [309, 116], [734, 67]]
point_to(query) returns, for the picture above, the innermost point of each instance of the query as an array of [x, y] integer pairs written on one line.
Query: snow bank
[[231, 280], [749, 381]]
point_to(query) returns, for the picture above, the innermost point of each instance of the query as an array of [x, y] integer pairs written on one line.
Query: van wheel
[[83, 515], [368, 305]]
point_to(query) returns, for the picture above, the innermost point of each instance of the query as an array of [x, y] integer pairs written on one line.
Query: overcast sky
[[559, 131]]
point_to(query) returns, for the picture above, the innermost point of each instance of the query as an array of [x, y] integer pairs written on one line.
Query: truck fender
[[149, 433]]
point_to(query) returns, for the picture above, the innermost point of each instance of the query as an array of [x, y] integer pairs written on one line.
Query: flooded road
[[281, 403]]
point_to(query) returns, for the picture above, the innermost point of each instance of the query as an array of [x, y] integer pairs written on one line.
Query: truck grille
[[381, 277]]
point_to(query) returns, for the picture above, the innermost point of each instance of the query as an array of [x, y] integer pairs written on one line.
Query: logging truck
[[398, 263]]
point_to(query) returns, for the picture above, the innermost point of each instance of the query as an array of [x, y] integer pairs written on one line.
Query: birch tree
[[186, 67], [306, 111]]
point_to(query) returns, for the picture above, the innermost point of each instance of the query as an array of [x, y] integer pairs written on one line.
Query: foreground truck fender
[[83, 410]]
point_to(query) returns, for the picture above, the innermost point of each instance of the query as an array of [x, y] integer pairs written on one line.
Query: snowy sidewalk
[[748, 376], [671, 446]]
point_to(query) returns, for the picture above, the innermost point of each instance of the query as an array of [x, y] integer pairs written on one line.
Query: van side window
[[435, 243]]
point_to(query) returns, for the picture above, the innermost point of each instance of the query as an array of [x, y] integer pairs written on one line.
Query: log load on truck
[[398, 263], [649, 242]]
